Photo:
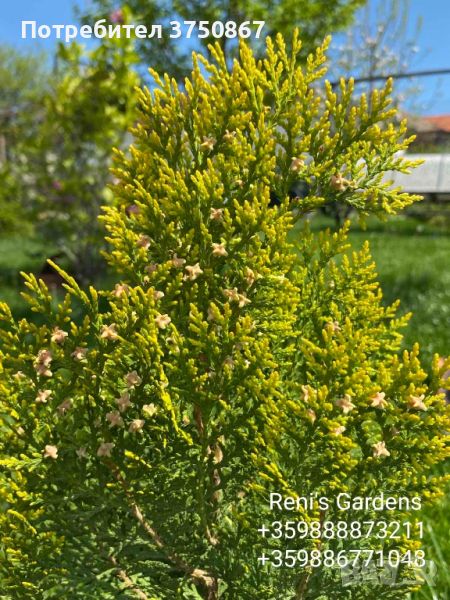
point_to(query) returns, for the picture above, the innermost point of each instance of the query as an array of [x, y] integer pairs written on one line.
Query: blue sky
[[434, 40]]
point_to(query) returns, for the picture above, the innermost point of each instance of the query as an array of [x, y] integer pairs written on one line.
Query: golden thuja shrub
[[145, 427]]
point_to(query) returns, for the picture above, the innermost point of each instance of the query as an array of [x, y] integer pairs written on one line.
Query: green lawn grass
[[437, 549], [20, 253]]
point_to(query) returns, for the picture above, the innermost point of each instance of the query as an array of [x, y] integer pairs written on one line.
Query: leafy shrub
[[87, 113], [56, 170], [24, 82], [140, 444]]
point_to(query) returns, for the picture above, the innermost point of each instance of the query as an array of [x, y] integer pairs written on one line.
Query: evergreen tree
[[239, 355]]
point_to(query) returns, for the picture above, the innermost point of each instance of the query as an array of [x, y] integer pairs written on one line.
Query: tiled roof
[[441, 122]]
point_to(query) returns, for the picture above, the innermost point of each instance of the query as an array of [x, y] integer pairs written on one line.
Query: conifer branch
[[208, 581], [129, 584]]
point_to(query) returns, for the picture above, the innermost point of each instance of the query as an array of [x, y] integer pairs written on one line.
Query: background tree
[[315, 18], [24, 82], [382, 42], [58, 130], [86, 115]]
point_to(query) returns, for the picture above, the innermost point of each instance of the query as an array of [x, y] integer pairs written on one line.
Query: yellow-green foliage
[[238, 355]]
